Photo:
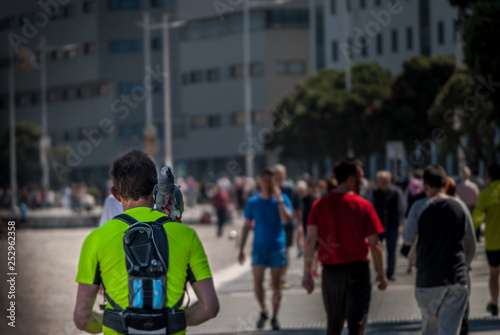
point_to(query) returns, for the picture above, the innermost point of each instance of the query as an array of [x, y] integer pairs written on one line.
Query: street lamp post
[[45, 141], [164, 26], [12, 133], [247, 89]]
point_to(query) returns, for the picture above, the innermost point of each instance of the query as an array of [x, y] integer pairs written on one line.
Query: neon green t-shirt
[[102, 259]]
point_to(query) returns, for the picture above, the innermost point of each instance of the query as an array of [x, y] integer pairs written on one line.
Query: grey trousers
[[442, 308]]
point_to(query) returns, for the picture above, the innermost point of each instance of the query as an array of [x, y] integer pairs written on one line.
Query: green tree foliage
[[402, 114], [480, 24], [28, 154], [464, 108], [327, 118]]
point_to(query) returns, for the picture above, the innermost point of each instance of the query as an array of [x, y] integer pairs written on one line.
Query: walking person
[[281, 175], [468, 192], [445, 249], [220, 201], [390, 207], [347, 227], [107, 258], [488, 210], [271, 211]]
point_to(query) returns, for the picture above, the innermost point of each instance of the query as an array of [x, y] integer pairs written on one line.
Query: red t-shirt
[[344, 220]]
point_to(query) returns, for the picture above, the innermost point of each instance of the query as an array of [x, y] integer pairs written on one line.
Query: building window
[[335, 51], [362, 4], [214, 121], [57, 54], [71, 53], [157, 43], [131, 131], [90, 48], [83, 92], [440, 32], [124, 4], [213, 74], [196, 76], [394, 41], [89, 6], [236, 71], [333, 7], [5, 63], [409, 38], [69, 93], [103, 89], [157, 3], [70, 11], [348, 5], [256, 69], [125, 45], [290, 67], [51, 96], [127, 87], [198, 122], [380, 44], [258, 117], [238, 118], [364, 47]]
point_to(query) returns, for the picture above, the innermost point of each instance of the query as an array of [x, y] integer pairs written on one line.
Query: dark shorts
[[493, 258], [269, 257], [289, 234]]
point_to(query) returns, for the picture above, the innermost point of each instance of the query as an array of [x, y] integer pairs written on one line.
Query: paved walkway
[[47, 260]]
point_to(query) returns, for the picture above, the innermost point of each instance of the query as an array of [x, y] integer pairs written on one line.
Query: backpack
[[147, 261]]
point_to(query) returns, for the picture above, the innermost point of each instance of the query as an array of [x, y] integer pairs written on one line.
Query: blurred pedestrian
[[390, 207], [451, 187], [220, 201], [445, 249], [488, 210], [288, 189], [313, 194], [271, 210], [301, 188], [415, 190], [343, 218], [112, 207], [468, 192]]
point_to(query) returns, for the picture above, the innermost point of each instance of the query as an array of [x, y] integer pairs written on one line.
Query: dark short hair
[[134, 175], [345, 168], [267, 172], [435, 176], [494, 171]]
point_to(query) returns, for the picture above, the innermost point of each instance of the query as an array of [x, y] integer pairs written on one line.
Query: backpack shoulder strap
[[162, 220], [113, 304], [126, 218]]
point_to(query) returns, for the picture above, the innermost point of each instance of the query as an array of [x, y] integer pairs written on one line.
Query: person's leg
[[258, 279], [334, 288], [392, 240], [429, 301], [451, 312], [494, 284], [219, 222], [276, 285], [289, 243], [358, 298]]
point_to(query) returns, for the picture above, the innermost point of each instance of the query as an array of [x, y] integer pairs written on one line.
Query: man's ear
[[115, 194]]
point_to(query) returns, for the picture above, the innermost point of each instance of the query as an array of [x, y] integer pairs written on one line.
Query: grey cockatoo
[[168, 196]]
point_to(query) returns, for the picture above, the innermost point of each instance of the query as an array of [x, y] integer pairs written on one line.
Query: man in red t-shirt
[[346, 227]]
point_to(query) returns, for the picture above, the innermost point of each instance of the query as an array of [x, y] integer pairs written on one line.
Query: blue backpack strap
[[125, 218]]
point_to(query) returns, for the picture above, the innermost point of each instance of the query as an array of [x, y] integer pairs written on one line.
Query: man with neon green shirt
[[102, 259], [488, 210]]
